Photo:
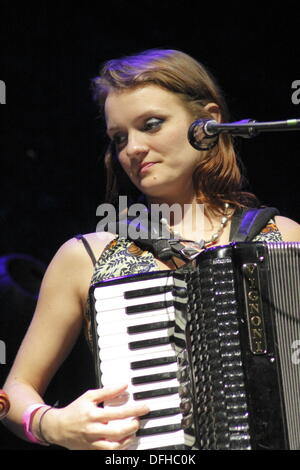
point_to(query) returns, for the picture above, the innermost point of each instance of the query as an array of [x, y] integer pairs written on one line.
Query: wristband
[[27, 422]]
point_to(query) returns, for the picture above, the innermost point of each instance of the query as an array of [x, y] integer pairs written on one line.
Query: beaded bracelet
[[27, 422]]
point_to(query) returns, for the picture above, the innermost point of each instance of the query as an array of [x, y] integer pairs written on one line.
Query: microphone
[[203, 134]]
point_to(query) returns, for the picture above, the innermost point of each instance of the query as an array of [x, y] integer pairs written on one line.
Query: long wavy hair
[[218, 178]]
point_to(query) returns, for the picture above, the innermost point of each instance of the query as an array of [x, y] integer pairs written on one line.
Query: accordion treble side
[[233, 324]]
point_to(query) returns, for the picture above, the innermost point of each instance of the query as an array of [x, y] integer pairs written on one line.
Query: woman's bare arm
[[53, 331], [51, 335]]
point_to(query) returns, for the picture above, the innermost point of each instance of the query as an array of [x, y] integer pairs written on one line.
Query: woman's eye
[[119, 139], [152, 124]]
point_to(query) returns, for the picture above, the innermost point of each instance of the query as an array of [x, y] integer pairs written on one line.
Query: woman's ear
[[214, 110]]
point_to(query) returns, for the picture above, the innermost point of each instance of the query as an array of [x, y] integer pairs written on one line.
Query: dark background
[[51, 140], [52, 178]]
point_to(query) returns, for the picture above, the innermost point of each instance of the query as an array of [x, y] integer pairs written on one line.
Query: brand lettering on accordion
[[255, 319], [296, 354], [2, 92], [2, 352]]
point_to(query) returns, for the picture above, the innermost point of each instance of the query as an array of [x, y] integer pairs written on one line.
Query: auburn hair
[[218, 177]]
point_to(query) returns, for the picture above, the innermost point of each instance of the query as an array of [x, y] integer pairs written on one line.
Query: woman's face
[[149, 126]]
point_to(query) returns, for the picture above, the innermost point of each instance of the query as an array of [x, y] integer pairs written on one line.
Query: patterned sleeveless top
[[122, 257]]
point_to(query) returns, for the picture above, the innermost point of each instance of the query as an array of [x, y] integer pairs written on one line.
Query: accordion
[[213, 348]]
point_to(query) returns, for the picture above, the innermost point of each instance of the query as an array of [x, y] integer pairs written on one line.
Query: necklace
[[223, 222], [215, 236]]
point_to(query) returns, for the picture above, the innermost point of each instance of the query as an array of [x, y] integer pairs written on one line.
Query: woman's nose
[[136, 146]]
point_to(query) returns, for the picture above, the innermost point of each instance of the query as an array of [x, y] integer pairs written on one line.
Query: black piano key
[[160, 361], [150, 327], [153, 378], [155, 393], [161, 413], [133, 294], [142, 308], [158, 430], [149, 343]]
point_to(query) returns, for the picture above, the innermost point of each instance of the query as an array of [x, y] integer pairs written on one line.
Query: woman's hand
[[83, 425]]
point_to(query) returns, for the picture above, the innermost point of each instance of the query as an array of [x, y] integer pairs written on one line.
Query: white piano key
[[120, 311], [161, 421], [121, 316], [123, 351], [110, 326], [159, 385], [119, 363], [160, 440], [119, 303], [109, 377], [117, 290], [162, 403], [109, 341], [154, 404], [143, 355], [141, 358], [158, 403], [124, 373]]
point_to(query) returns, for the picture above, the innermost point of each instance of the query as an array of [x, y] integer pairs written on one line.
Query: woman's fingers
[[117, 404], [84, 424], [121, 412], [100, 395], [116, 430]]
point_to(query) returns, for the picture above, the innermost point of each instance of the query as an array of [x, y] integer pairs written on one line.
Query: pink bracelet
[[27, 422]]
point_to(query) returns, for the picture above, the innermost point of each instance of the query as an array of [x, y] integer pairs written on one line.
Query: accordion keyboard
[[134, 325]]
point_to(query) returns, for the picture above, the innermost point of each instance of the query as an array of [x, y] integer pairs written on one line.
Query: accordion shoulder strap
[[87, 247], [247, 223]]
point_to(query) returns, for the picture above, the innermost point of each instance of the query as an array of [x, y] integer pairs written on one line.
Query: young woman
[[149, 100]]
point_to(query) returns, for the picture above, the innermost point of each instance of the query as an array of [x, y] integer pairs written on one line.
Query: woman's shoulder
[[290, 229], [75, 248], [71, 265]]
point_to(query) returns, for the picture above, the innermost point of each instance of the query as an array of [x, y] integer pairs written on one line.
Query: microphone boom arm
[[250, 128], [204, 134]]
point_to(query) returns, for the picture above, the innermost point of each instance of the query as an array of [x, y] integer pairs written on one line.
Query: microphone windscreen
[[198, 138]]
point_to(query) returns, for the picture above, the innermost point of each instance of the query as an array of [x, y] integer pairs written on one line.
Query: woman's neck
[[185, 197], [183, 215], [186, 217]]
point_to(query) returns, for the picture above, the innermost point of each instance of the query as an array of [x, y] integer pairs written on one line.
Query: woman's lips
[[145, 167]]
